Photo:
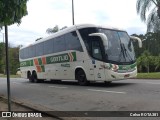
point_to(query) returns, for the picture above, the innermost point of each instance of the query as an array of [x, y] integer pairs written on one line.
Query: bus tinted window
[[59, 44], [69, 41], [48, 47], [86, 38], [26, 53], [31, 51], [73, 42], [21, 54], [39, 49]]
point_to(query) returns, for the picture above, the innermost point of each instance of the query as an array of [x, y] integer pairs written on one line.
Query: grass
[[12, 76], [155, 75]]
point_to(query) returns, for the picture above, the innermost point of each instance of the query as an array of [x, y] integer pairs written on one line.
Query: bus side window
[[73, 42], [59, 44], [48, 47], [39, 49], [96, 50]]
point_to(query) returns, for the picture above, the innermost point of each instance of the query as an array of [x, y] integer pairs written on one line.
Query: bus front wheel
[[81, 77]]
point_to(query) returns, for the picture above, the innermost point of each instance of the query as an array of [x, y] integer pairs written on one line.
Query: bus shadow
[[95, 84], [113, 84]]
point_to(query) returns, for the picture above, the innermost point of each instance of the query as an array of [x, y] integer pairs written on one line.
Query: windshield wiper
[[126, 53], [122, 52]]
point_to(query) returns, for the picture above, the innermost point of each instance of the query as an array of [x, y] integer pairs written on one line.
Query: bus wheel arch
[[80, 75]]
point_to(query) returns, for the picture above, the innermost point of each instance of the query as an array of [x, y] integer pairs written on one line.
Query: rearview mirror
[[138, 39], [103, 37]]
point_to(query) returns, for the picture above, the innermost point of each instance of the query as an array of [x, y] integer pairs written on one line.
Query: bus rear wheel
[[107, 82], [34, 76], [30, 77], [81, 77]]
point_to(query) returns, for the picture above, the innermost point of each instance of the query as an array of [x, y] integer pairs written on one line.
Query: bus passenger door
[[97, 63]]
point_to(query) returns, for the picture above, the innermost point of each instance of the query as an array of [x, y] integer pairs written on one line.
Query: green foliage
[[155, 75], [151, 43], [54, 29], [2, 59], [13, 57], [148, 57], [38, 39], [11, 11], [144, 60], [153, 20], [148, 63]]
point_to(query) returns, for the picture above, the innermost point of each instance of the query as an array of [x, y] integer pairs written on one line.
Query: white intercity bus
[[82, 52]]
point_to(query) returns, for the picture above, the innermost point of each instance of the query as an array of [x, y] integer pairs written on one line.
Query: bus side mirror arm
[[138, 39], [102, 36]]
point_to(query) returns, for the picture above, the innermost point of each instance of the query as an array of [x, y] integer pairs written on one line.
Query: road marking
[[106, 91], [16, 83], [58, 87], [34, 84]]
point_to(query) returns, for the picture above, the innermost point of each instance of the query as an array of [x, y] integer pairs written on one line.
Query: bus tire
[[81, 77], [34, 76], [107, 82], [30, 77]]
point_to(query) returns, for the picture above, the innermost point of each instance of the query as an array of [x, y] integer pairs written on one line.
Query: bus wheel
[[81, 77], [107, 82], [30, 77], [34, 76]]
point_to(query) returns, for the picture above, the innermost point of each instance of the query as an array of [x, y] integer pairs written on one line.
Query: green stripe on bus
[[127, 67], [74, 56], [51, 59], [40, 61], [26, 63], [31, 63], [43, 68]]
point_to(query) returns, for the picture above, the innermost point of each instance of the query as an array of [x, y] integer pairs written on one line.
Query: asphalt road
[[125, 95]]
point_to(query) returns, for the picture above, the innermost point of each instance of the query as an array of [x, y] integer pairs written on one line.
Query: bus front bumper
[[113, 76]]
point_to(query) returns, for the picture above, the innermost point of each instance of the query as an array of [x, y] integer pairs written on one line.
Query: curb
[[38, 108]]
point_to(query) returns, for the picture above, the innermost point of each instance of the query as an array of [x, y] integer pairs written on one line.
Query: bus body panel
[[62, 65]]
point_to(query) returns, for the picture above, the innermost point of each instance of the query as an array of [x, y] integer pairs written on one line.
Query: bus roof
[[70, 29]]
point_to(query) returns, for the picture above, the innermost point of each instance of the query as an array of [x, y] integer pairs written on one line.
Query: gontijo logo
[[59, 59], [68, 57]]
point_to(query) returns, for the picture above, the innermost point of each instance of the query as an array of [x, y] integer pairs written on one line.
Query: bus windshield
[[120, 48]]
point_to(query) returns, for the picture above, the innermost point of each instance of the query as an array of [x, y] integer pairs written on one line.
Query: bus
[[86, 53]]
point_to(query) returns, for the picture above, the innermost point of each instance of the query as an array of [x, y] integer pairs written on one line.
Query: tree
[[154, 16], [146, 60], [157, 62], [153, 23], [14, 59], [2, 60], [54, 29], [11, 11], [38, 39]]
